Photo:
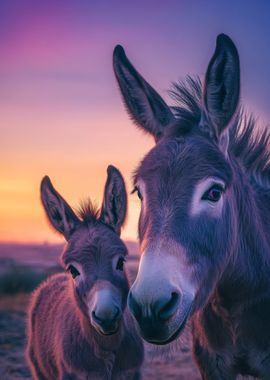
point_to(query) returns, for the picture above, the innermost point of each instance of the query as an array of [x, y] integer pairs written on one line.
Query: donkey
[[205, 215], [79, 326]]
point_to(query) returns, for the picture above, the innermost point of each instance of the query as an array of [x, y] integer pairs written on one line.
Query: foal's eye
[[137, 190], [213, 194], [73, 271], [120, 263]]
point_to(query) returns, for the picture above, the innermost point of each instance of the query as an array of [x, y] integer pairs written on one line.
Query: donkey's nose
[[165, 307], [108, 315], [160, 309], [106, 321]]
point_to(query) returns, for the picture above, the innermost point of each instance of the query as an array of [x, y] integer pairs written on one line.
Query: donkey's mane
[[249, 143], [88, 211]]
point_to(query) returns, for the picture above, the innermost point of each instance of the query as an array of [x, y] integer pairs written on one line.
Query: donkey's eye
[[120, 263], [213, 194], [137, 190], [73, 271]]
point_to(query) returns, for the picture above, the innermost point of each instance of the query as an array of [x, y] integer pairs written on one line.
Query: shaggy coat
[[205, 217], [79, 326]]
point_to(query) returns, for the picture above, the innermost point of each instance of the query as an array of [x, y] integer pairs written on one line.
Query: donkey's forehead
[[92, 242], [191, 158]]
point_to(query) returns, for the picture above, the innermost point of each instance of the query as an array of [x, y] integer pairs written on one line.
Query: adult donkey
[[205, 216]]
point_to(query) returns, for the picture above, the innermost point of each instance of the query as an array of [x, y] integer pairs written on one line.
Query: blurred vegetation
[[18, 278]]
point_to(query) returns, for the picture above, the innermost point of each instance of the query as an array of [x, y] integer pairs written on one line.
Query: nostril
[[166, 311], [134, 306], [117, 313], [97, 319]]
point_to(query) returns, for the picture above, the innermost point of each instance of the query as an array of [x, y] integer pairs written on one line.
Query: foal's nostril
[[165, 309], [97, 319], [134, 306]]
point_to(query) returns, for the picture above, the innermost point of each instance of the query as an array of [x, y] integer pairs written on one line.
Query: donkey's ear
[[144, 104], [114, 207], [222, 87], [59, 213]]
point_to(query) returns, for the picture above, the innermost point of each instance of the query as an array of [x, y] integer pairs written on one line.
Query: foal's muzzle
[[106, 311], [105, 324]]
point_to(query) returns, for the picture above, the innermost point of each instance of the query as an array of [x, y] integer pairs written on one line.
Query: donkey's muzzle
[[152, 318], [107, 323], [160, 310]]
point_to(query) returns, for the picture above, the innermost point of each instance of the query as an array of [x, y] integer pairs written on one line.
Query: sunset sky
[[61, 111]]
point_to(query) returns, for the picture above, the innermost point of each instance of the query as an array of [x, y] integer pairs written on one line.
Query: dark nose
[[106, 317], [165, 308], [160, 310]]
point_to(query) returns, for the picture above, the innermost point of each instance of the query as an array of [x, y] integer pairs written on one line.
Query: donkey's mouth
[[108, 331], [175, 335]]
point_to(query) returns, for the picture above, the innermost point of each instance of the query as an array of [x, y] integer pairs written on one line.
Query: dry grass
[[16, 303], [18, 278]]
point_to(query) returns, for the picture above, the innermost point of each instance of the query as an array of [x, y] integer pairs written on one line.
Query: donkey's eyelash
[[120, 263], [137, 190], [73, 271]]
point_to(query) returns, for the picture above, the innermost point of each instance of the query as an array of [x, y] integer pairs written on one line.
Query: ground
[[21, 269], [13, 366]]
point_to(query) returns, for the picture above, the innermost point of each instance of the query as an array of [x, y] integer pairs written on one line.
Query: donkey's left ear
[[146, 107], [221, 90], [59, 213], [114, 207]]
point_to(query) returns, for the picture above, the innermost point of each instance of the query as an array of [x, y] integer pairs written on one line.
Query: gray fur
[[67, 340], [225, 257]]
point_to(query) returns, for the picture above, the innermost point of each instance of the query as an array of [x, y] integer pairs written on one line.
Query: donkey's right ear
[[114, 207], [221, 91], [59, 213], [145, 106]]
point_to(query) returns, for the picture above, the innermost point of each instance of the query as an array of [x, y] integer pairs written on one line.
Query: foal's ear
[[144, 104], [59, 213], [114, 207], [221, 91]]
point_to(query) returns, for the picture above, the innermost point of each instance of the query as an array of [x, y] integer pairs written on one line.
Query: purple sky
[[62, 114]]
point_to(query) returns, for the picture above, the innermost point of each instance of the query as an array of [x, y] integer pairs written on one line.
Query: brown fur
[[80, 328]]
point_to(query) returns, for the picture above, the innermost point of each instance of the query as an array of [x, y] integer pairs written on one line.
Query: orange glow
[[61, 111], [76, 166]]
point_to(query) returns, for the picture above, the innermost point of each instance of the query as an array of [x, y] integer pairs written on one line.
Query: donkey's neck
[[246, 279]]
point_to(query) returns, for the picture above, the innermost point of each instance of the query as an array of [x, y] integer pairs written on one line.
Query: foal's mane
[[249, 143], [88, 212]]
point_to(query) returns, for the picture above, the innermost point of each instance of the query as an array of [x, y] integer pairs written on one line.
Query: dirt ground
[[179, 366]]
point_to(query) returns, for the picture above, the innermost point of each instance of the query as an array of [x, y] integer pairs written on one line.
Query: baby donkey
[[79, 326]]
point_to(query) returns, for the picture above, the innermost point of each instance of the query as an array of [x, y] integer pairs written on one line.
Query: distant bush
[[15, 278]]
